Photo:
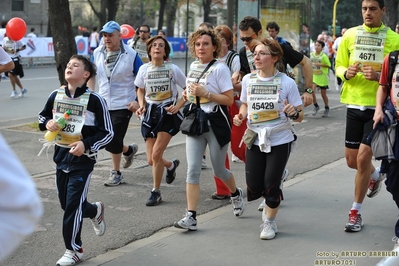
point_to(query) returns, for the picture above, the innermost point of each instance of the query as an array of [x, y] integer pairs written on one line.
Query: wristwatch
[[309, 90]]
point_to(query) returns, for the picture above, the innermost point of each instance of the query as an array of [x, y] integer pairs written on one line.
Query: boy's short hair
[[88, 65]]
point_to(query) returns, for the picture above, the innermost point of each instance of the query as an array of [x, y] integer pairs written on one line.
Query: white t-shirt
[[178, 78], [288, 91], [235, 64], [20, 204], [93, 39], [4, 57], [2, 33], [31, 35], [9, 46]]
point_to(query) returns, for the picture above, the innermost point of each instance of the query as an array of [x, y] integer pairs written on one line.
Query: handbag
[[195, 122]]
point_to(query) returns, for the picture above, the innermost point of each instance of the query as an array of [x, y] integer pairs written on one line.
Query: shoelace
[[395, 239], [266, 225], [353, 217]]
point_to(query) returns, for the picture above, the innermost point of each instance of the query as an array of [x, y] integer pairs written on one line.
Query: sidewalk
[[311, 230]]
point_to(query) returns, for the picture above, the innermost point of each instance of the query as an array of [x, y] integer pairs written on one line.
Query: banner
[[43, 46]]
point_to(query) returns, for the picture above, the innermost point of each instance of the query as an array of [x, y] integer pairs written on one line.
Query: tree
[[207, 9], [106, 5], [162, 4], [171, 17], [63, 37]]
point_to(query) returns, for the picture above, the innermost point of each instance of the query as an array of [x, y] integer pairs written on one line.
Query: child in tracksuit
[[88, 130]]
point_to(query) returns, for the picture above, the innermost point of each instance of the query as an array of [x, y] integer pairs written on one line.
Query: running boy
[[320, 63], [88, 129]]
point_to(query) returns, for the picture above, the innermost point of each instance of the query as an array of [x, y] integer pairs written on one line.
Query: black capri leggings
[[263, 173]]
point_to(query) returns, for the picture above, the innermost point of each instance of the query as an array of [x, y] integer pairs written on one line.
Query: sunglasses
[[248, 39]]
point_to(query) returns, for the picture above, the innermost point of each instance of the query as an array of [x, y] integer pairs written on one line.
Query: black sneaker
[[171, 174], [154, 199]]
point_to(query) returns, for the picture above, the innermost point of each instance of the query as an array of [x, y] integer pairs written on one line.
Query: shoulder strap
[[230, 57], [200, 76], [393, 60]]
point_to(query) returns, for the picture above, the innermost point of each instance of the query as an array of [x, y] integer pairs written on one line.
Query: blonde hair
[[214, 38]]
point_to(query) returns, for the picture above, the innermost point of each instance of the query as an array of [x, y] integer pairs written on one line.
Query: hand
[[378, 116], [237, 120], [140, 111], [196, 89], [52, 125], [171, 109], [289, 109], [307, 99], [236, 77], [133, 106], [77, 148], [369, 73], [353, 70]]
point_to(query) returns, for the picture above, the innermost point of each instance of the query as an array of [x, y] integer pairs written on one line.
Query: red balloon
[[16, 29], [127, 31]]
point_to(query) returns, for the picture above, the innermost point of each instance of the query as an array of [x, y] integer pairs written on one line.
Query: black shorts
[[359, 124], [17, 70], [120, 122]]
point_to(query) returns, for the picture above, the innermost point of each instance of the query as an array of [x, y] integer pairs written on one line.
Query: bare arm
[[7, 67]]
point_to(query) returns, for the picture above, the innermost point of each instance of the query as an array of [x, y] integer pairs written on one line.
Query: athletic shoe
[[216, 196], [171, 174], [355, 222], [375, 185], [154, 199], [98, 220], [114, 179], [237, 203], [23, 91], [188, 222], [326, 112], [128, 160], [268, 230], [203, 163], [14, 94], [395, 239], [315, 110], [70, 257], [234, 158], [262, 205]]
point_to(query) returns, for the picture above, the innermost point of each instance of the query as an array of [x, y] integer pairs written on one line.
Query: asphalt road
[[321, 141]]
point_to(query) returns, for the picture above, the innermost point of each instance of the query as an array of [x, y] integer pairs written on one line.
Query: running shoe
[[114, 179], [268, 230], [14, 94], [326, 112], [154, 199], [128, 160], [70, 257], [315, 110], [375, 185], [188, 222], [23, 92], [262, 205], [98, 220], [237, 203], [395, 239], [355, 222], [171, 174]]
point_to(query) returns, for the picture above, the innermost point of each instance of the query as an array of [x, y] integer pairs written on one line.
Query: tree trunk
[[63, 37], [112, 6], [171, 17], [162, 4], [207, 10]]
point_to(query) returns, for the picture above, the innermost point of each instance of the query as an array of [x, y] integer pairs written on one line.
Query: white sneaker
[[268, 230], [128, 160], [395, 239], [14, 94], [70, 257], [234, 158], [23, 91], [237, 203], [188, 222], [98, 221], [262, 205], [203, 163]]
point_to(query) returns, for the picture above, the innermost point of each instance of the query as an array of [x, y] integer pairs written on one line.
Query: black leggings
[[263, 173]]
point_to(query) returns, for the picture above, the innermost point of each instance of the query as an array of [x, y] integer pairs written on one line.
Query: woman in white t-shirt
[[269, 100], [157, 95], [94, 39]]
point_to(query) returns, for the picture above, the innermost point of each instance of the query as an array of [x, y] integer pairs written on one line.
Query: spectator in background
[[94, 40], [13, 49], [335, 48], [163, 34], [205, 26], [397, 28], [304, 40], [32, 33]]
